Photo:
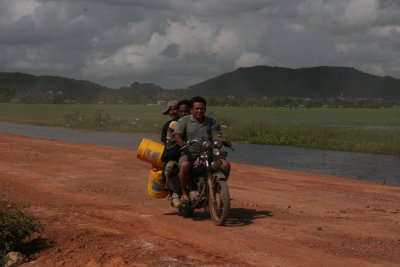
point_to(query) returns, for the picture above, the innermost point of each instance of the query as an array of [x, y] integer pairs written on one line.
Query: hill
[[317, 82], [30, 88], [244, 83]]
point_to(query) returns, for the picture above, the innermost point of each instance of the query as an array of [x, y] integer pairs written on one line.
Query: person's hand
[[181, 143], [179, 140], [227, 142]]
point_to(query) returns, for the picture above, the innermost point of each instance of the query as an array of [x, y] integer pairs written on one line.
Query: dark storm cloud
[[171, 51], [176, 43]]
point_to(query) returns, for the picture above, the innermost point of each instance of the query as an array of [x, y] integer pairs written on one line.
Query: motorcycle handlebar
[[195, 141]]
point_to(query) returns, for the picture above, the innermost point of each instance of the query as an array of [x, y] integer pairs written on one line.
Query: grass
[[345, 139], [362, 130], [15, 226]]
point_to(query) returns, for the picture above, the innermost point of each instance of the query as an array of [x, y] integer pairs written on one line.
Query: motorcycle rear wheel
[[219, 208]]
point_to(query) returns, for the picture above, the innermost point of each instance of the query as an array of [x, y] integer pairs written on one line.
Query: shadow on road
[[242, 217], [237, 216], [198, 215]]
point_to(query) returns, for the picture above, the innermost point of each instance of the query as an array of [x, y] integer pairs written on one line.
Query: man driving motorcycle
[[200, 127]]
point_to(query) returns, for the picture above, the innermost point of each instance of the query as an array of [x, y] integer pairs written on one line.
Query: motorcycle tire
[[219, 208]]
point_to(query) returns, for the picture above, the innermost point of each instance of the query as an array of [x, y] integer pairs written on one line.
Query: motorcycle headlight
[[216, 152]]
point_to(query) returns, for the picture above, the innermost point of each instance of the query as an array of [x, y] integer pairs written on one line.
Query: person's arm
[[217, 134], [179, 132], [179, 140], [170, 132]]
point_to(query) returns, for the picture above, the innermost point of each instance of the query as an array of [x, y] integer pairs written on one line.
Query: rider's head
[[183, 108], [171, 109], [198, 105]]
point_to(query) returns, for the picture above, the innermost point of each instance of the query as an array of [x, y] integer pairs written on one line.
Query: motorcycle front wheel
[[219, 208]]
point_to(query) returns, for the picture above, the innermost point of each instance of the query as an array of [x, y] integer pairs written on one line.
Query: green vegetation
[[356, 140], [129, 118], [15, 226], [349, 129], [295, 102]]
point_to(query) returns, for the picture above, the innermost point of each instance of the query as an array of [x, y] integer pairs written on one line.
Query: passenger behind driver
[[172, 182], [172, 111]]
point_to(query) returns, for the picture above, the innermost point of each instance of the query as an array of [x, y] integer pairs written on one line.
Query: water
[[371, 167], [378, 168]]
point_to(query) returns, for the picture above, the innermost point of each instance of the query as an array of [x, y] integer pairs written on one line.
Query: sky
[[178, 43]]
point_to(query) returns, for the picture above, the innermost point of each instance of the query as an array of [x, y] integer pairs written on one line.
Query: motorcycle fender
[[219, 176]]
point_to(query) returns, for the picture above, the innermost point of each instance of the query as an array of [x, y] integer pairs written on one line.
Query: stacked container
[[151, 152]]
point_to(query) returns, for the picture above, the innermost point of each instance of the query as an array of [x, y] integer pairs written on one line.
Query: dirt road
[[93, 203]]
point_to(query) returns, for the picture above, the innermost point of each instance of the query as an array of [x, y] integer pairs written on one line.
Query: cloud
[[171, 51], [12, 11], [176, 43], [359, 12], [376, 69], [249, 59], [388, 31], [296, 28], [181, 42]]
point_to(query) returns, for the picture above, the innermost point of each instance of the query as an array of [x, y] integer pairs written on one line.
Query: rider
[[172, 111], [196, 126], [171, 183], [183, 108]]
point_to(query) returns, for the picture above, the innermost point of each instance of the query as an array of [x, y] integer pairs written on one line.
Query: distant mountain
[[28, 88], [141, 89], [37, 87], [253, 82], [317, 82]]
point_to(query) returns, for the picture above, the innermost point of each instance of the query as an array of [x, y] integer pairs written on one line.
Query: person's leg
[[184, 171], [168, 181], [226, 168], [172, 181]]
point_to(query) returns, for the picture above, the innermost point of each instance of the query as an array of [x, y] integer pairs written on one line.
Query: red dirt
[[93, 203]]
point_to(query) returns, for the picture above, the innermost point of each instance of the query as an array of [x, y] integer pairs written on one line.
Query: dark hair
[[197, 99], [183, 102]]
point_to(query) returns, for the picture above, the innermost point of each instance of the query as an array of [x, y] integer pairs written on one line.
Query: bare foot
[[184, 199]]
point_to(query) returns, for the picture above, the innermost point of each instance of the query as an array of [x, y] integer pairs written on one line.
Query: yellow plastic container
[[151, 152], [156, 185]]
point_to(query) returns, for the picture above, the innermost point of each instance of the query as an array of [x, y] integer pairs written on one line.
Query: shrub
[[15, 226]]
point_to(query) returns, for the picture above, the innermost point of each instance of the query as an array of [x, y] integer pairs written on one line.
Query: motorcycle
[[207, 185]]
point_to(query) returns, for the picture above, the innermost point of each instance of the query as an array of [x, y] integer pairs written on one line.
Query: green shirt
[[191, 129]]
